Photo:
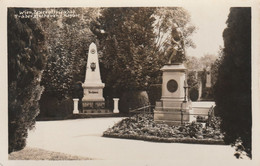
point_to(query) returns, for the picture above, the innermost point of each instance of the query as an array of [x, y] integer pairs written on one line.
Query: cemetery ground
[[81, 139]]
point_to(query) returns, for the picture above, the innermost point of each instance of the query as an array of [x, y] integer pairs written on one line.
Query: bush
[[26, 60], [155, 93], [65, 108], [132, 100], [50, 106], [194, 94]]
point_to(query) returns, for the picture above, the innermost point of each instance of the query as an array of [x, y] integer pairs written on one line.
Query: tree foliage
[[68, 42], [197, 74], [199, 64], [126, 37], [166, 30], [165, 19], [133, 41], [233, 86], [128, 40], [215, 66], [26, 60]]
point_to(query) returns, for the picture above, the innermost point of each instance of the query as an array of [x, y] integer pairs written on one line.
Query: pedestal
[[75, 110], [172, 108], [116, 105]]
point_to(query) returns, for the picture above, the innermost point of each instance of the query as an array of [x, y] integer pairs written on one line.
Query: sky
[[210, 22]]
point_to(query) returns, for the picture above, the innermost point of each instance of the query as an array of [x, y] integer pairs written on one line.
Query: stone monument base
[[172, 115], [93, 104], [173, 108], [91, 107], [96, 111]]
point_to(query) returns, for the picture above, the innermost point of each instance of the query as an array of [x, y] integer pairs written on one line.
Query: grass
[[40, 154]]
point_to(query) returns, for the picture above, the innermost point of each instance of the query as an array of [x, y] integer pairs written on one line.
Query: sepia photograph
[[131, 84]]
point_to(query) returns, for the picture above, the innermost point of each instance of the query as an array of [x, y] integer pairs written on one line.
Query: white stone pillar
[[116, 105], [75, 111]]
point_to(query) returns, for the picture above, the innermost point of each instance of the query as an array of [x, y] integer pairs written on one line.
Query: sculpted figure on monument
[[176, 51]]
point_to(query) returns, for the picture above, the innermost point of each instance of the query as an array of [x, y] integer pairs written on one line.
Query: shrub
[[26, 60], [50, 106], [135, 99], [194, 94], [65, 108], [154, 93]]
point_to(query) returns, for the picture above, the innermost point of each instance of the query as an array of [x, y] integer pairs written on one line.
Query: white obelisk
[[93, 86]]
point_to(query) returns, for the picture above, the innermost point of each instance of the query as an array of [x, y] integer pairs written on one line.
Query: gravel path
[[82, 137]]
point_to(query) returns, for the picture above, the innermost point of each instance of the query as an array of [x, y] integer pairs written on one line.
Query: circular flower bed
[[143, 127]]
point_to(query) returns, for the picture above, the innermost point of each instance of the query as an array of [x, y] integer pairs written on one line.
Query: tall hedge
[[26, 60], [233, 86]]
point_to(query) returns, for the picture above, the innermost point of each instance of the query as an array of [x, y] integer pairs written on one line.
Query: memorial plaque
[[172, 86], [93, 51], [93, 91]]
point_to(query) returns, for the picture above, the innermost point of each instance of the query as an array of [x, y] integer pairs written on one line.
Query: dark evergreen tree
[[233, 86], [26, 61]]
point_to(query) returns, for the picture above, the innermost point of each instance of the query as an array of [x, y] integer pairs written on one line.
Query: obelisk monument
[[93, 100]]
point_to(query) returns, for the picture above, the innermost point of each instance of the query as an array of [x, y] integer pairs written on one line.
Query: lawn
[[40, 154]]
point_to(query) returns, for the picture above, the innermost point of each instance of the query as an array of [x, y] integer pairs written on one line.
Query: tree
[[166, 18], [26, 61], [207, 60], [193, 63], [125, 38], [68, 42], [197, 74], [198, 64], [132, 41], [215, 66], [233, 86]]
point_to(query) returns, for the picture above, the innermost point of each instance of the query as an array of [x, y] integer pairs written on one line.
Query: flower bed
[[142, 127]]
